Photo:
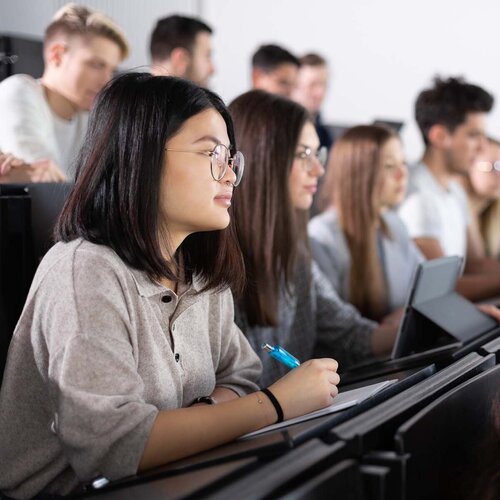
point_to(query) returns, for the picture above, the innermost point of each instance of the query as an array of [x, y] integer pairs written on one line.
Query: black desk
[[269, 447]]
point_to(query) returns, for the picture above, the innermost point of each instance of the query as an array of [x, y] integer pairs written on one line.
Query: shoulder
[[325, 227], [420, 179], [21, 87], [458, 192], [87, 262], [396, 226]]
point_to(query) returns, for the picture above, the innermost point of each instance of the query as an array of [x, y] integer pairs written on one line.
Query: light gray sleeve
[[100, 416], [324, 255], [239, 368], [342, 332]]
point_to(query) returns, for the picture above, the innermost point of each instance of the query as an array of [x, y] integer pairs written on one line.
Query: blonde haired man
[[46, 119]]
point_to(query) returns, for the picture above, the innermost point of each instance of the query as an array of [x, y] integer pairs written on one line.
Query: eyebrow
[[308, 147], [210, 138]]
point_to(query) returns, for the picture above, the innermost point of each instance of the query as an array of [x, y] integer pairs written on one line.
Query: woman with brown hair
[[286, 299], [358, 241]]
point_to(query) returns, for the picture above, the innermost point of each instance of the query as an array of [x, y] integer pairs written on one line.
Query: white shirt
[[433, 211], [30, 130]]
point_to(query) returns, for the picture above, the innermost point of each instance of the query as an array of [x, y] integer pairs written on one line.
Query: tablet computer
[[436, 316]]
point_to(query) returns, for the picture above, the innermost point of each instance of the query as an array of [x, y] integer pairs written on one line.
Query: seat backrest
[[375, 428], [28, 214], [16, 262], [448, 441]]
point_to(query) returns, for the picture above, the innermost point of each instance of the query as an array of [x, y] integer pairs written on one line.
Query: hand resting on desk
[[179, 433], [492, 310], [13, 170]]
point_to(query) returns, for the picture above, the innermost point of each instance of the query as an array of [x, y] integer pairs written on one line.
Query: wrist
[[276, 404]]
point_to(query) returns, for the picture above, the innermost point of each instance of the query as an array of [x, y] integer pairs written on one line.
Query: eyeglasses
[[488, 166], [308, 154], [220, 161]]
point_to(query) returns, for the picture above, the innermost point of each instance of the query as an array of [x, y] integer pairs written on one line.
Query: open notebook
[[342, 401]]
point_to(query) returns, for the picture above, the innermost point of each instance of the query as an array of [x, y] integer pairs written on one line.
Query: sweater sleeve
[[100, 416], [342, 333], [239, 367]]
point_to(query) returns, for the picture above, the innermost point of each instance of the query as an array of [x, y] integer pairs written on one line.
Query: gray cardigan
[[313, 322], [98, 351]]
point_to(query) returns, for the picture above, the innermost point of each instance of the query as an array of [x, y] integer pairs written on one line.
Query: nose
[[402, 171], [482, 144], [317, 169], [229, 176]]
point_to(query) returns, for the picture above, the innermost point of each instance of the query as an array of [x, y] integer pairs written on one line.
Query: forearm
[[477, 287], [484, 265], [383, 338], [179, 433]]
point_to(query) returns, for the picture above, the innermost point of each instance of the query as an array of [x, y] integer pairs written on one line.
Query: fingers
[[47, 171], [491, 310], [333, 378], [6, 161], [325, 363]]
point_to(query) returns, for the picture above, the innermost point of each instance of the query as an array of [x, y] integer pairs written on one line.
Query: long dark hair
[[115, 201], [271, 232]]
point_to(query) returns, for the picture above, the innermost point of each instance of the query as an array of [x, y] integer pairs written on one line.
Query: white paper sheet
[[342, 401]]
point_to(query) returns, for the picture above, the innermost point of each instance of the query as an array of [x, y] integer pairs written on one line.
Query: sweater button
[[166, 299], [177, 357]]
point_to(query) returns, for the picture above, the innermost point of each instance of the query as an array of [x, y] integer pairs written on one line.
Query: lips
[[225, 196], [224, 199], [312, 188]]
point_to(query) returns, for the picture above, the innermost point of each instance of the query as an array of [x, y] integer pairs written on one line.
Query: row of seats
[[428, 441], [419, 438]]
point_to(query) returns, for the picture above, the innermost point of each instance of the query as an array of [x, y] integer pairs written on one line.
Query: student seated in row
[[182, 46], [482, 186], [127, 337], [452, 119], [287, 300], [46, 119], [359, 242], [275, 70]]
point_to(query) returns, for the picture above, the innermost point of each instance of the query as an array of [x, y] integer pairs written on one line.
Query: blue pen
[[278, 353]]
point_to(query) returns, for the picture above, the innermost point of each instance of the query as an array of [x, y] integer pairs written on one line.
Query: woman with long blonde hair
[[358, 241]]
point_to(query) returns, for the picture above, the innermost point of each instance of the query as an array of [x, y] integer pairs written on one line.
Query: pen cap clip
[[268, 348]]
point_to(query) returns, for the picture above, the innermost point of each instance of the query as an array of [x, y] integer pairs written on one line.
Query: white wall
[[382, 52], [136, 18]]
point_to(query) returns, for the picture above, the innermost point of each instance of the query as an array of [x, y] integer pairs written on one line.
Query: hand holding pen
[[307, 387], [277, 352]]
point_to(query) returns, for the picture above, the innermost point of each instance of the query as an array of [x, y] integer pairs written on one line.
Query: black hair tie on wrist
[[275, 402]]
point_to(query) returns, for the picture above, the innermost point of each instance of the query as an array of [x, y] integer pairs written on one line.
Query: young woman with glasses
[[287, 300], [126, 355], [483, 190], [358, 241]]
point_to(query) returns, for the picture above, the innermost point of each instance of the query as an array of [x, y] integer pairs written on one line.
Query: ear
[[257, 75], [55, 52], [439, 136], [180, 59]]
